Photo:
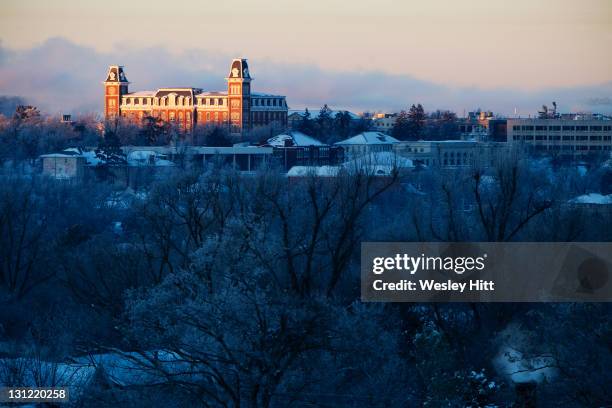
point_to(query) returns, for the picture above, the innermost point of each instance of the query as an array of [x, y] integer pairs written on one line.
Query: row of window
[[215, 116], [163, 101], [416, 150], [322, 153], [206, 116], [566, 128], [186, 101], [573, 148], [211, 101], [593, 138], [458, 154], [458, 162], [267, 116], [269, 102]]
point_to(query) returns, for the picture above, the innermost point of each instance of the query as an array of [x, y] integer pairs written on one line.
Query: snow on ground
[[522, 369], [147, 158], [521, 360]]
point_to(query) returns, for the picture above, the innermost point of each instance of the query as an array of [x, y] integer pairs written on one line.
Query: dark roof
[[179, 91]]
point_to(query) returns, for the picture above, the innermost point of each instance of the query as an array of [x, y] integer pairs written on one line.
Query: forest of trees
[[220, 289]]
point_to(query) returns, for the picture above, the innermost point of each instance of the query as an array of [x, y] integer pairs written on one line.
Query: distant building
[[573, 135], [367, 143], [384, 122], [297, 149], [483, 126], [450, 153], [66, 118], [379, 164], [64, 166], [238, 108], [147, 158], [240, 158]]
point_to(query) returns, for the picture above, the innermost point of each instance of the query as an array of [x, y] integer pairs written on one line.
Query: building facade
[[238, 108], [451, 153], [572, 136], [366, 143], [63, 166], [297, 149], [384, 122]]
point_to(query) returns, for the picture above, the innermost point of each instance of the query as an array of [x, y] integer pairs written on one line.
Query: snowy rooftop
[[212, 93], [593, 198], [259, 94], [89, 156], [369, 138], [296, 139], [141, 93], [147, 158], [317, 171], [377, 164]]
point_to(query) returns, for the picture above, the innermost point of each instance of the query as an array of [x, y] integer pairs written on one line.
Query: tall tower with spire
[[115, 86], [239, 96]]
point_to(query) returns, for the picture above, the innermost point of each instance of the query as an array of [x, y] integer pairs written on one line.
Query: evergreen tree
[[342, 125], [155, 131], [218, 137], [109, 150], [307, 125], [401, 127], [416, 116], [325, 123], [110, 155]]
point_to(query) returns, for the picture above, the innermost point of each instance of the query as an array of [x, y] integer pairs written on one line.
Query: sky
[[442, 52]]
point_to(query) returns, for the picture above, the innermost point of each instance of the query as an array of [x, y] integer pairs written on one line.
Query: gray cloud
[[61, 76]]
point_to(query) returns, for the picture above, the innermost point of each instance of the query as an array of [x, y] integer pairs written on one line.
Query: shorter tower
[[239, 96], [115, 86]]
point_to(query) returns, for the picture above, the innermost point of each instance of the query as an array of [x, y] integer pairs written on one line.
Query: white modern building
[[574, 135]]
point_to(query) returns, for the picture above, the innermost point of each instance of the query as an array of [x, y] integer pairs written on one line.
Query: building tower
[[239, 96], [115, 86]]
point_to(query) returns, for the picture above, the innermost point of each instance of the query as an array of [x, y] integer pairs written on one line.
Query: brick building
[[237, 108]]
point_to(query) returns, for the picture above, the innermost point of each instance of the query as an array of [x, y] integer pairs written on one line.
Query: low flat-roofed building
[[450, 153], [574, 135], [298, 149], [64, 165]]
